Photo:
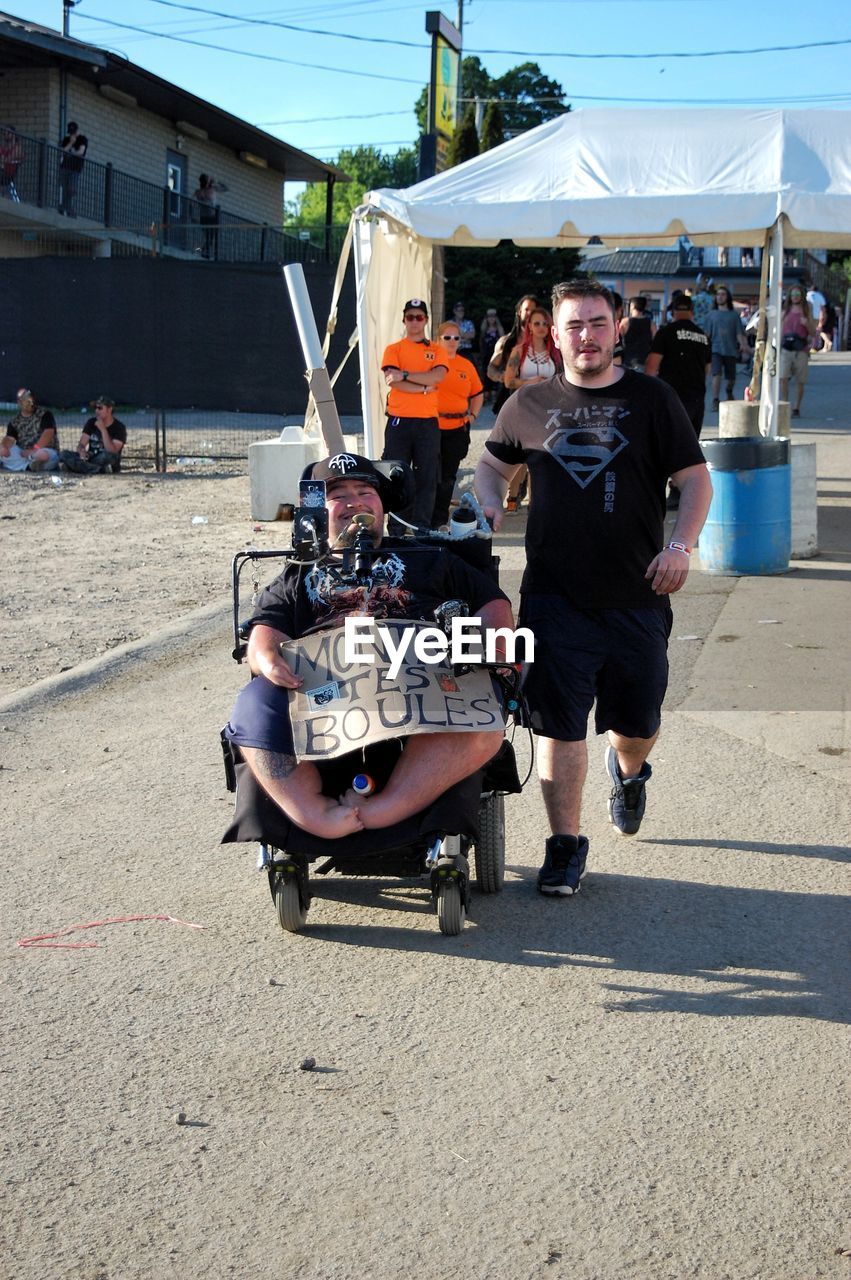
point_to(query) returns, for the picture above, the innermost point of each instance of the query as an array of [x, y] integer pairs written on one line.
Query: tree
[[465, 140], [527, 97], [368, 169], [497, 277], [519, 100], [838, 259], [493, 127]]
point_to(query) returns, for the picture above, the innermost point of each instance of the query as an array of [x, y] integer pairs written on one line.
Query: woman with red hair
[[536, 358]]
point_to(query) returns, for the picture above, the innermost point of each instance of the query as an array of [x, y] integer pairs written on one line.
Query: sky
[[334, 74]]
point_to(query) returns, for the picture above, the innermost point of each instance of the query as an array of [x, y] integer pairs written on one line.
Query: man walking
[[413, 369], [600, 442], [681, 355]]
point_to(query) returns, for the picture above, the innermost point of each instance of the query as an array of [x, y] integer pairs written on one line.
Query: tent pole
[[364, 231], [769, 412]]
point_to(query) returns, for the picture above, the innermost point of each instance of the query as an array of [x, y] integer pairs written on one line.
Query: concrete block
[[275, 467], [804, 501], [740, 418]]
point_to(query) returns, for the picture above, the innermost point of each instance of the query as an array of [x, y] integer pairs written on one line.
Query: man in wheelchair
[[406, 581]]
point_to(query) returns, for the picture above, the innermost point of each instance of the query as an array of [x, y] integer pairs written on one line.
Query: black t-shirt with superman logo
[[599, 460]]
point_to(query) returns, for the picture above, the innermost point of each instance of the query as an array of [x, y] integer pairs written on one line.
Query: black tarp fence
[[193, 336]]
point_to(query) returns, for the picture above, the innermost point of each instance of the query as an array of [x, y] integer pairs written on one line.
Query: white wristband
[[679, 546]]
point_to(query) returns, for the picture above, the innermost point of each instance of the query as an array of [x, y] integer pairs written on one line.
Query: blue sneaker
[[564, 865], [627, 801]]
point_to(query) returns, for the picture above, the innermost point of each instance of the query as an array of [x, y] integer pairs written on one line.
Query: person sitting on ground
[[406, 581], [101, 442], [30, 442]]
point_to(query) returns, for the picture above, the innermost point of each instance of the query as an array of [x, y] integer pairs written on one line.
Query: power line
[[369, 115], [263, 57], [533, 53]]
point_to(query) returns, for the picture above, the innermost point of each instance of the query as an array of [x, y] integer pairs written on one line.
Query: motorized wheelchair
[[435, 843]]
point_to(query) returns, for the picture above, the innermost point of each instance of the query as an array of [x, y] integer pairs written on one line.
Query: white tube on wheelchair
[[305, 323]]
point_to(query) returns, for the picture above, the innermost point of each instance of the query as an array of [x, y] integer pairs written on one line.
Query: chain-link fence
[[181, 439], [169, 439]]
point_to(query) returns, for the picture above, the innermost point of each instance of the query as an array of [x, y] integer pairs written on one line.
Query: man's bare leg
[[297, 791], [562, 767], [429, 765], [632, 752]]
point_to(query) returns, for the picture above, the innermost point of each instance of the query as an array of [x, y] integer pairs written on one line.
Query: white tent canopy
[[640, 177]]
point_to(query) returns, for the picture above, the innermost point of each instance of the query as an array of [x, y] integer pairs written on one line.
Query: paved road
[[644, 1083]]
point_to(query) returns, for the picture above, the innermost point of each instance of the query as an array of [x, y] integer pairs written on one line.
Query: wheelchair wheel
[[490, 846], [451, 913], [291, 914]]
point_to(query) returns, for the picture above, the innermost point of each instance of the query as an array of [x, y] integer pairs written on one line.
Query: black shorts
[[618, 656], [261, 718], [723, 364]]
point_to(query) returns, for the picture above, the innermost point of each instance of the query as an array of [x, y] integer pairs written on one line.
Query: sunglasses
[[451, 337], [415, 315]]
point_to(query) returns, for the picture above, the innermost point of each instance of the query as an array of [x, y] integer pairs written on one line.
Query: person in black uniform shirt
[[600, 443], [405, 583], [681, 355]]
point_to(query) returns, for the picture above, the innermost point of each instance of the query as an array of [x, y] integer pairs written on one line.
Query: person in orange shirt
[[413, 370], [460, 397]]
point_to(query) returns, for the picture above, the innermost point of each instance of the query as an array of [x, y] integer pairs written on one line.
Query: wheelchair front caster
[[450, 887], [289, 884], [451, 912]]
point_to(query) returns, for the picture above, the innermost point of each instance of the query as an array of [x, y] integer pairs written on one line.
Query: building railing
[[33, 172]]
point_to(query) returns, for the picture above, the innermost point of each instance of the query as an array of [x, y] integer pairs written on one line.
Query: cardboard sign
[[342, 707]]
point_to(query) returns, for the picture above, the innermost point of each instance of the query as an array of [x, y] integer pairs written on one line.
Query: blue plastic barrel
[[749, 526]]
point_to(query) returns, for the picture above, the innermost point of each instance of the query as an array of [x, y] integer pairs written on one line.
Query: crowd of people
[[601, 414], [601, 442], [703, 337], [31, 442], [598, 422]]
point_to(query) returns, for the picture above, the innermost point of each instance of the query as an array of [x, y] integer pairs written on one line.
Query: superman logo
[[586, 447]]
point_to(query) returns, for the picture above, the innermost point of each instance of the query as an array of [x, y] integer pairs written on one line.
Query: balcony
[[54, 209]]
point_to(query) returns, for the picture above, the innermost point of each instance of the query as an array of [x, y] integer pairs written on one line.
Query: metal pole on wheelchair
[[316, 370]]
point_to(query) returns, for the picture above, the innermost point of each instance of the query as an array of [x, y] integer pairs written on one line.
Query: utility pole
[[67, 6]]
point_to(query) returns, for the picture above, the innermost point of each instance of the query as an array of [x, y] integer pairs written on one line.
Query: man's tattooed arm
[[274, 764]]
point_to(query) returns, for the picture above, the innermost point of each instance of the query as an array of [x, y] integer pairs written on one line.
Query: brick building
[[183, 314]]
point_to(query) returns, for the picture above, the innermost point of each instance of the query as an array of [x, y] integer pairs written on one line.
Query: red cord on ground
[[45, 939]]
